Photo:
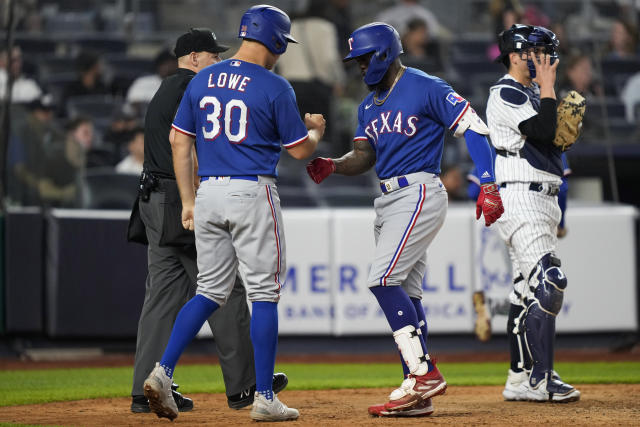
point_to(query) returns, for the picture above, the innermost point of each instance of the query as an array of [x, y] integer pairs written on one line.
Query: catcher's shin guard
[[547, 284]]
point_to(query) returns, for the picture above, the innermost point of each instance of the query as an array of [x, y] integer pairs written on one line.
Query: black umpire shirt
[[160, 114]]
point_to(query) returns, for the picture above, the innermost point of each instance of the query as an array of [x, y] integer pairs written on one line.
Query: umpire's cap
[[198, 40]]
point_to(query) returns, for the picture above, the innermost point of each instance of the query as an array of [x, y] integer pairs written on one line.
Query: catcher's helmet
[[381, 39], [267, 25], [515, 39]]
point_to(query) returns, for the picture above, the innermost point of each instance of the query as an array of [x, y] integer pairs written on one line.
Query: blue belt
[[247, 177], [388, 185]]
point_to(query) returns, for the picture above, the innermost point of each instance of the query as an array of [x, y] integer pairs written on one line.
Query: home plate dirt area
[[617, 404]]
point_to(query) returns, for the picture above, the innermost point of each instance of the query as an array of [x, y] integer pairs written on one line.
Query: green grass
[[38, 386]]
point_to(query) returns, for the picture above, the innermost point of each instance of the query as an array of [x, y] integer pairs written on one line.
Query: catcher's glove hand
[[483, 319], [570, 113]]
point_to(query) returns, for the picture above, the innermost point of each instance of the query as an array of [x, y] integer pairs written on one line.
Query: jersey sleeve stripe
[[471, 177], [186, 132], [459, 116], [360, 138], [296, 142]]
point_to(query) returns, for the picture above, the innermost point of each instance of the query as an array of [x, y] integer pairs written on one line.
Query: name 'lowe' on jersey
[[239, 136]]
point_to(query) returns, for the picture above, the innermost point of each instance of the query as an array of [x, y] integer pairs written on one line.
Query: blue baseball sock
[[264, 336], [188, 323], [396, 305]]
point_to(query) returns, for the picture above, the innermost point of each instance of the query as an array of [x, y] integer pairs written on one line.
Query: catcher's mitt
[[570, 113], [483, 318]]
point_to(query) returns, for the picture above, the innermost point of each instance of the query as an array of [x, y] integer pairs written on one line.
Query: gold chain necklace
[[381, 101]]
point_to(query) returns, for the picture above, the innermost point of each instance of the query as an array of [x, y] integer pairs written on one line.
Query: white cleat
[[157, 388], [551, 391], [271, 410], [513, 388], [405, 389]]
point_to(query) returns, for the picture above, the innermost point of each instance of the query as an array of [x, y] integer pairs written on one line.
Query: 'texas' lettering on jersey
[[385, 123], [230, 81]]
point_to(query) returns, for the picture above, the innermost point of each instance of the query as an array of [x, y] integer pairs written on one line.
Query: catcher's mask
[[267, 25], [541, 37], [380, 39]]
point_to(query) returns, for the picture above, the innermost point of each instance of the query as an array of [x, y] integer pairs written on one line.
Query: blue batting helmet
[[381, 39], [267, 25]]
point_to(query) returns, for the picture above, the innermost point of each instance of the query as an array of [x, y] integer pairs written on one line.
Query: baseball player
[[239, 114], [172, 267], [401, 126], [521, 114]]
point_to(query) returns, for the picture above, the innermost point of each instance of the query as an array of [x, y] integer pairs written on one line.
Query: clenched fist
[[489, 204], [320, 168]]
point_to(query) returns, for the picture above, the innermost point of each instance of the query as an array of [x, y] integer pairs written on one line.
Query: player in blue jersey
[[239, 114], [401, 126]]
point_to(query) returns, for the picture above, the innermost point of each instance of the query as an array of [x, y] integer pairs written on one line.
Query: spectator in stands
[[504, 13], [143, 88], [314, 67], [29, 148], [631, 98], [123, 122], [24, 89], [419, 50], [404, 11], [623, 42], [338, 13], [65, 164], [132, 164], [579, 76], [453, 181], [89, 67]]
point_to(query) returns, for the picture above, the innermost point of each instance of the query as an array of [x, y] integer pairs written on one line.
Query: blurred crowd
[[81, 82]]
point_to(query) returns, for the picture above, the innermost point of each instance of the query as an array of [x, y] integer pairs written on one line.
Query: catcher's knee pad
[[547, 284]]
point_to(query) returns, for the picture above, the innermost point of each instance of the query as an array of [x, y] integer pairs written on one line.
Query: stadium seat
[[103, 188]]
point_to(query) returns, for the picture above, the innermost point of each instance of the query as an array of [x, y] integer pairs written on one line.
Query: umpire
[[172, 254]]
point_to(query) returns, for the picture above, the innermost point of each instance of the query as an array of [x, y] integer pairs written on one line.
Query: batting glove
[[489, 204], [320, 168]]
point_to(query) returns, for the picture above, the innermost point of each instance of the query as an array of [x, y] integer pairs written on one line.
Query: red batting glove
[[320, 168], [489, 203]]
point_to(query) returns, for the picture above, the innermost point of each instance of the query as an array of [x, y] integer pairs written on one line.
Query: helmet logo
[[243, 31], [350, 43]]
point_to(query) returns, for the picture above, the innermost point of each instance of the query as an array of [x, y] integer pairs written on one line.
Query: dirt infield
[[600, 405]]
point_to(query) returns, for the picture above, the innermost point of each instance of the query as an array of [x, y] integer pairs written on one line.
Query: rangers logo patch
[[454, 98]]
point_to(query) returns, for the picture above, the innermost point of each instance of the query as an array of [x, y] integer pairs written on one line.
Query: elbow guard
[[470, 120]]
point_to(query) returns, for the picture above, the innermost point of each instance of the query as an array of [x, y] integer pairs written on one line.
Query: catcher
[[529, 136]]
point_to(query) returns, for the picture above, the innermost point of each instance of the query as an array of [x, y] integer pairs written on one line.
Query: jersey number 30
[[214, 119]]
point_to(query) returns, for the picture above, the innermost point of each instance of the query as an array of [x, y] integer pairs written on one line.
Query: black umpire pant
[[171, 281]]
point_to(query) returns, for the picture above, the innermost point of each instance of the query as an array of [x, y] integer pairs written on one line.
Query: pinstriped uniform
[[529, 223], [412, 216]]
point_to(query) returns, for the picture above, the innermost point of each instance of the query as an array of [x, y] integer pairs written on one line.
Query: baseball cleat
[[415, 388], [157, 388], [513, 389], [551, 391], [271, 410], [140, 404], [245, 397], [423, 408]]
